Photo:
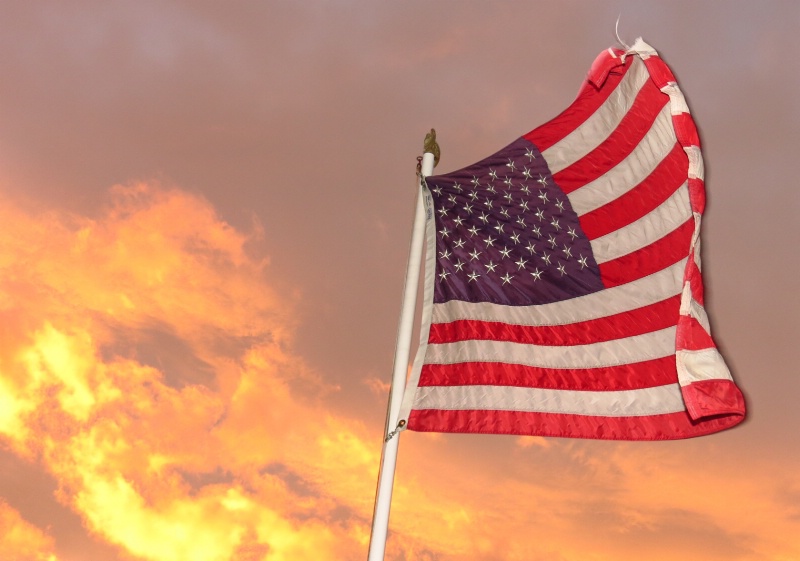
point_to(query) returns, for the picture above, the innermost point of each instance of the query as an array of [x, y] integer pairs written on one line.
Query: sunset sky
[[205, 211]]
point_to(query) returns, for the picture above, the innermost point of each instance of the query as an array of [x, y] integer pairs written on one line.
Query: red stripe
[[713, 397], [588, 101], [656, 188], [695, 279], [685, 130], [646, 374], [659, 71], [697, 195], [651, 427], [691, 336], [646, 319], [603, 64], [629, 133], [661, 254]]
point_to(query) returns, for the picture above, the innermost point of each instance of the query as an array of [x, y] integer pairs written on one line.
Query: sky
[[205, 212]]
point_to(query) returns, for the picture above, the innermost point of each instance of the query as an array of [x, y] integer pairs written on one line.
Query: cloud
[[20, 540], [97, 312]]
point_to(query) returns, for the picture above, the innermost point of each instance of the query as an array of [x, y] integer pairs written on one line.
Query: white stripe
[[658, 400], [677, 102], [692, 308], [698, 312], [697, 260], [638, 348], [697, 366], [665, 218], [654, 147], [643, 49], [696, 168], [696, 234], [641, 292], [600, 124]]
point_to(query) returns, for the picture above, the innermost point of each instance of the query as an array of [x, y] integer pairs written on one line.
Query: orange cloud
[[164, 464], [20, 540]]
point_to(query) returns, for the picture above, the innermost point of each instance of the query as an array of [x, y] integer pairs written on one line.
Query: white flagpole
[[383, 497]]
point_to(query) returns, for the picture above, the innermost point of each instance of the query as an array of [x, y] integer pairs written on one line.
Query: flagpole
[[383, 496]]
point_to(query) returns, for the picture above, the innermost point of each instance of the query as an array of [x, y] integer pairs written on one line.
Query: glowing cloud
[[167, 463], [22, 541]]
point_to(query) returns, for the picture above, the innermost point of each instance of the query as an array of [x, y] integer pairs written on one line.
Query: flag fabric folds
[[563, 289]]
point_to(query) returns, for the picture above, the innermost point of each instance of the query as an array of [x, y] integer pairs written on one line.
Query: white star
[[484, 217], [443, 275], [459, 266], [530, 154], [505, 252], [475, 255], [537, 232], [473, 276], [546, 258], [524, 206], [543, 196], [488, 202], [490, 241], [521, 263], [540, 214], [560, 205], [473, 231], [507, 279], [527, 173], [457, 187], [531, 248], [468, 208], [515, 237], [561, 268], [554, 222], [525, 189], [582, 261], [499, 227], [444, 232], [437, 190], [445, 254], [543, 180], [508, 196], [475, 181], [490, 188], [492, 173], [511, 164], [504, 212], [552, 241], [521, 221], [490, 267], [567, 251], [572, 232], [473, 195], [536, 274], [452, 199], [458, 221], [507, 181], [442, 212], [459, 243]]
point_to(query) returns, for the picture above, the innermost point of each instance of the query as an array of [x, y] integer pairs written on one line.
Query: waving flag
[[563, 292]]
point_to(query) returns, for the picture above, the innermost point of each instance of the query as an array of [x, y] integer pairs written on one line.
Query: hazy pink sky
[[205, 211]]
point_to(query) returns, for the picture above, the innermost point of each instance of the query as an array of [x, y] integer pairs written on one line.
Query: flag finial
[[430, 145]]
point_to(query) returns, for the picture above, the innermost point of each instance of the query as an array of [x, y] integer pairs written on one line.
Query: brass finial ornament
[[431, 146]]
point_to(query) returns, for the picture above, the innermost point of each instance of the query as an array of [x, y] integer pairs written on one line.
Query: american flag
[[563, 288]]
